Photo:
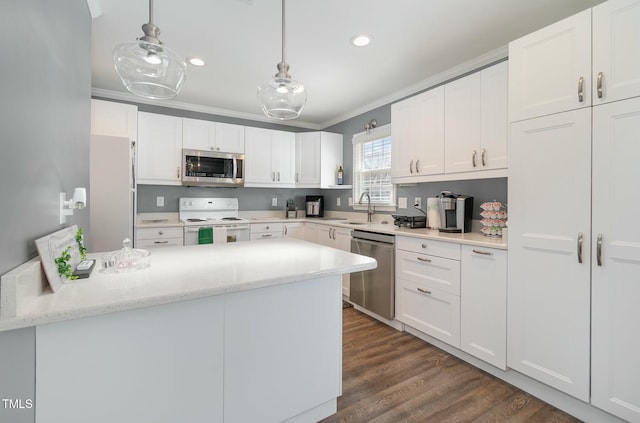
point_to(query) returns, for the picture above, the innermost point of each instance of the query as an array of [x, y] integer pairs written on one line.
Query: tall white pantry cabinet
[[574, 238]]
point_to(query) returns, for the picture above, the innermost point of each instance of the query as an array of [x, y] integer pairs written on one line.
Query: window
[[372, 166]]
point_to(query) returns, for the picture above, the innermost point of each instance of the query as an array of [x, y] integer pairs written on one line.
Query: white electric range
[[221, 214]]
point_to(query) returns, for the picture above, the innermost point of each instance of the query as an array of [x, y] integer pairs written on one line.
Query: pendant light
[[146, 67], [282, 97]]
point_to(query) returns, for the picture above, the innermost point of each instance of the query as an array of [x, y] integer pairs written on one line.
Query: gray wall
[[44, 130]]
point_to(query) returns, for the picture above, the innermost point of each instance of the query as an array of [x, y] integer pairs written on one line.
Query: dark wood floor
[[391, 376]]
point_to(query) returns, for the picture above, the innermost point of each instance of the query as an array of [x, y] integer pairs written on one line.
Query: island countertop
[[176, 274]]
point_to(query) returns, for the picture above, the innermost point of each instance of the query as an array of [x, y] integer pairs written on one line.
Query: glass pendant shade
[[149, 70], [282, 98]]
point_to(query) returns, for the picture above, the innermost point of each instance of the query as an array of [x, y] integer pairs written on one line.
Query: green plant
[[80, 241], [64, 268]]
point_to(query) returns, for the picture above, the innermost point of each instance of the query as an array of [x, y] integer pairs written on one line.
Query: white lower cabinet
[[483, 304], [311, 232], [294, 230], [428, 288], [266, 231], [331, 236], [159, 237]]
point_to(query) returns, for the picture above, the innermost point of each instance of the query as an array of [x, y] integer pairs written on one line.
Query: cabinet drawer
[[257, 228], [430, 311], [430, 271], [159, 233], [155, 243], [266, 235], [449, 250]]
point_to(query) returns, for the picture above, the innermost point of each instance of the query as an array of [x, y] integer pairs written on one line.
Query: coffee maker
[[315, 205], [456, 212]]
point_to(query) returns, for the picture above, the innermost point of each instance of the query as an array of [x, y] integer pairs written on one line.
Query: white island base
[[265, 355]]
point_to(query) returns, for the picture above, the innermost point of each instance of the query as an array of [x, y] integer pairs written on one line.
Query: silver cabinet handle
[[160, 242], [424, 245], [599, 250], [160, 233], [484, 253], [580, 241], [424, 259], [411, 166], [424, 291], [278, 176], [484, 157], [599, 84], [581, 89], [178, 172], [473, 158], [334, 233], [273, 176], [285, 229], [267, 235], [267, 228], [418, 166]]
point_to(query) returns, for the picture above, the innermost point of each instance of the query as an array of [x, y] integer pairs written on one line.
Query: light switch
[[402, 202], [274, 201], [159, 201]]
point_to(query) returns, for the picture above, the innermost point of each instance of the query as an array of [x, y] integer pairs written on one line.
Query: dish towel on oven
[[205, 235]]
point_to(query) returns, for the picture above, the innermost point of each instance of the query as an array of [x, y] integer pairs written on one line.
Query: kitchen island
[[213, 333]]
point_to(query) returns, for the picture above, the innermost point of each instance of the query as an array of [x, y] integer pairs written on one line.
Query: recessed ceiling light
[[361, 40], [196, 61]]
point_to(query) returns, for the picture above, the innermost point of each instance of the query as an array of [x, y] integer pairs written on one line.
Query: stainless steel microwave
[[211, 168]]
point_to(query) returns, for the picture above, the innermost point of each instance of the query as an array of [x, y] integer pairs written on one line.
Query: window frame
[[357, 140]]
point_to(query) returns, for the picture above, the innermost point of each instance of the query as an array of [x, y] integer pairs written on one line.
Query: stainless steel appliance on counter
[[212, 168], [456, 212], [374, 290], [315, 205], [220, 214]]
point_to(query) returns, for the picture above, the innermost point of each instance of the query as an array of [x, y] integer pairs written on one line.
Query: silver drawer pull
[[580, 241], [581, 89], [599, 84], [599, 250], [267, 235], [484, 253], [411, 166], [160, 242], [424, 245], [424, 259], [424, 291], [484, 157], [473, 158], [160, 233]]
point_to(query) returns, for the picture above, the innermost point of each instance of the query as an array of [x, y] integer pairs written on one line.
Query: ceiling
[[414, 43]]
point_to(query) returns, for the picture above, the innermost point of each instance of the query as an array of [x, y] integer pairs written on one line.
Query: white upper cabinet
[[548, 263], [270, 158], [318, 156], [616, 51], [615, 374], [114, 119], [417, 132], [476, 121], [213, 136], [159, 149], [550, 69]]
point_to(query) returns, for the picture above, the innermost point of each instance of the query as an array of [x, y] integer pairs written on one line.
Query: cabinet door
[[429, 137], [462, 124], [258, 167], [294, 230], [325, 236], [483, 304], [308, 159], [549, 223], [331, 150], [283, 146], [431, 311], [229, 138], [198, 134], [159, 149], [311, 232], [114, 119], [402, 160], [342, 239], [616, 50], [494, 117], [546, 66], [615, 383]]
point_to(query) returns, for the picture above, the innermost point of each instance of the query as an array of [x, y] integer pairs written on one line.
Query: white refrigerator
[[112, 192]]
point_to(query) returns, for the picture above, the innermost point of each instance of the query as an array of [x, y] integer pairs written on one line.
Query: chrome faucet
[[370, 212]]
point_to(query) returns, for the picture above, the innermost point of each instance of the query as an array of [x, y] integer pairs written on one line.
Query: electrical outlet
[[338, 201], [274, 201], [350, 201], [159, 201], [418, 202], [402, 202]]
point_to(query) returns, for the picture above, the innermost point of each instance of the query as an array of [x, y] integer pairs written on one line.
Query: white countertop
[[184, 273]]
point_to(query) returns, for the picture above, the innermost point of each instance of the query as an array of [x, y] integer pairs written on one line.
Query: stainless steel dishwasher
[[374, 289]]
